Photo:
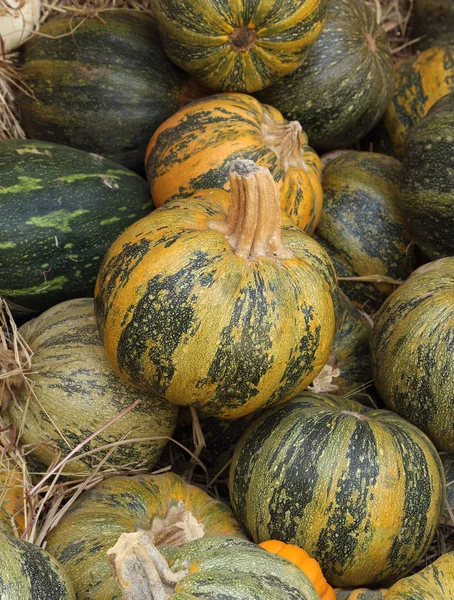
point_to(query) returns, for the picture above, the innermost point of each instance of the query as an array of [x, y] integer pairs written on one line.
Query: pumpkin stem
[[140, 569], [285, 140], [325, 383], [177, 528], [253, 225]]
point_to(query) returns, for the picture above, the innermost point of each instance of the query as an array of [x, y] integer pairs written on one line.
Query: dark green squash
[[345, 84], [60, 209], [100, 84], [411, 349], [30, 573], [434, 21], [427, 186], [361, 227], [361, 490], [360, 594]]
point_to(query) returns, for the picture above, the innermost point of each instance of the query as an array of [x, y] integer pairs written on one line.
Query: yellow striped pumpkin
[[225, 310], [194, 149], [435, 582], [239, 46]]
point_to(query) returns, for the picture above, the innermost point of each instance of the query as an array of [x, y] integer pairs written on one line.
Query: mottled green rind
[[411, 349], [103, 88], [29, 573], [235, 569], [448, 465], [361, 227], [76, 392], [343, 87], [434, 22], [426, 195], [360, 594], [363, 496], [57, 207], [435, 582]]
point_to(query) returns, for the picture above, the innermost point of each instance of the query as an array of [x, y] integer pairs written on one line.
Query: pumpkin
[[448, 465], [411, 351], [239, 46], [216, 307], [308, 565], [427, 186], [434, 20], [361, 226], [419, 82], [100, 85], [18, 18], [360, 489], [76, 392], [342, 89], [435, 582], [30, 573], [12, 519], [195, 148], [164, 505], [60, 210], [217, 568], [360, 594]]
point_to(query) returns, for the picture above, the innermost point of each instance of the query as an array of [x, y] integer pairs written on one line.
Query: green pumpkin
[[427, 187], [360, 594], [100, 84], [435, 582], [60, 209], [434, 22], [411, 347], [76, 392], [345, 84], [361, 490], [448, 464], [361, 226], [30, 573]]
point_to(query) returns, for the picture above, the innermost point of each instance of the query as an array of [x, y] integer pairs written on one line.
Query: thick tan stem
[[178, 528], [325, 383], [253, 225], [285, 140]]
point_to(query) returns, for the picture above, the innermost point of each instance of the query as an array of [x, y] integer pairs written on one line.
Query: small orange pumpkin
[[308, 565]]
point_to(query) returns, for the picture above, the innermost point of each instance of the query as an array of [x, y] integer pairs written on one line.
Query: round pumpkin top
[[239, 46], [180, 293]]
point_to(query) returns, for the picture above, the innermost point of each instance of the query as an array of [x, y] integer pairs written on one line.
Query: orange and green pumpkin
[[239, 46], [361, 490], [194, 149], [411, 350], [361, 227], [360, 594], [345, 84], [435, 582], [419, 82], [76, 392], [426, 196], [212, 302], [434, 22], [163, 505]]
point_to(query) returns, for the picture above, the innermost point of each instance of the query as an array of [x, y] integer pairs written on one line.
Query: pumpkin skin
[[433, 19], [411, 351], [175, 303], [360, 594], [78, 392], [448, 464], [61, 209], [364, 183], [104, 88], [361, 490], [239, 46], [121, 505], [28, 572], [195, 148], [418, 83], [12, 521], [345, 84], [435, 582], [426, 195]]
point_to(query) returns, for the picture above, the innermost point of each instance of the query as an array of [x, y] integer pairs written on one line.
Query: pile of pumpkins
[[241, 210]]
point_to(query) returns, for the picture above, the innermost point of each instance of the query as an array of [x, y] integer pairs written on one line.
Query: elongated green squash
[[60, 210], [30, 573], [361, 490], [343, 87], [435, 582]]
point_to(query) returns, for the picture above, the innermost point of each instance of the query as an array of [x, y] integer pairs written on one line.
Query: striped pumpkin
[[210, 310], [239, 46], [361, 490], [194, 149], [76, 392], [154, 503], [360, 594], [361, 226], [419, 82], [426, 195], [435, 582], [411, 350], [30, 573], [12, 500], [344, 86]]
